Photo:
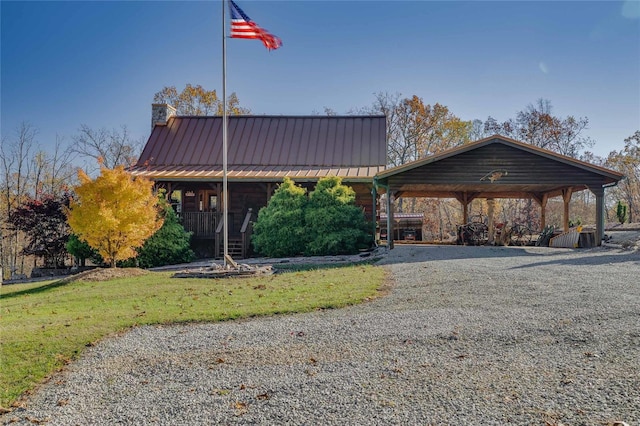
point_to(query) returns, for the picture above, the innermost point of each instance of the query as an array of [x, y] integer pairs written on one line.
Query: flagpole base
[[229, 262]]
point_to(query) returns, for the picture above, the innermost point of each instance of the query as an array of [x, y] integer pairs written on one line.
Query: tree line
[[416, 129], [33, 178]]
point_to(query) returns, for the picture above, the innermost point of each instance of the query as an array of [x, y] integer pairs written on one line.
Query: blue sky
[[67, 63]]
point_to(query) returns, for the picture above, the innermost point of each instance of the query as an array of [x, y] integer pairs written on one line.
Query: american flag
[[243, 27]]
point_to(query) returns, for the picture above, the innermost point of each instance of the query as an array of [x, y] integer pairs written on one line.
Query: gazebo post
[[465, 207], [600, 213], [566, 198], [389, 219], [490, 212], [543, 211], [463, 199], [542, 199]]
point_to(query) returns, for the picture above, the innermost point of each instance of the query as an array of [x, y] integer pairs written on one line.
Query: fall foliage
[[28, 175], [114, 213], [537, 126], [196, 100], [45, 227], [415, 129], [627, 161]]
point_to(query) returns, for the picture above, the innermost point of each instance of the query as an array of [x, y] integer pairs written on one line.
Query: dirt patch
[[105, 274]]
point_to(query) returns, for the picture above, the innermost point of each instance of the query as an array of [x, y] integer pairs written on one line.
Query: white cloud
[[543, 67], [631, 9]]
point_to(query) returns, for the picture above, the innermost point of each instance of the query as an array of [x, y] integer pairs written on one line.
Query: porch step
[[234, 248]]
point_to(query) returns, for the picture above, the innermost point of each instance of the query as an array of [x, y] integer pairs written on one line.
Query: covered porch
[[200, 206]]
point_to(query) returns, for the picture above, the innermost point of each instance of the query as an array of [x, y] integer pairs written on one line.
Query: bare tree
[[27, 173], [61, 173], [110, 148], [627, 161], [15, 169]]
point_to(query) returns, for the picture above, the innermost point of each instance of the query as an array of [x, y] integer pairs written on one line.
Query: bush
[[279, 230], [82, 251], [621, 212], [334, 224], [327, 222], [168, 246]]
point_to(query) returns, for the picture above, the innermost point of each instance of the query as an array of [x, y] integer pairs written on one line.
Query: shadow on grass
[[278, 268], [36, 290], [301, 267]]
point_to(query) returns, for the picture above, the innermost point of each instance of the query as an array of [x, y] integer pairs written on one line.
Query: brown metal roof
[[266, 148]]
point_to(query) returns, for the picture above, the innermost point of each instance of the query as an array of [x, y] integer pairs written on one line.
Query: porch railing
[[208, 225], [238, 248], [202, 224]]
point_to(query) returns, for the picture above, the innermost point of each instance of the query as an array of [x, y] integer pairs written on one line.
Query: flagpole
[[225, 197]]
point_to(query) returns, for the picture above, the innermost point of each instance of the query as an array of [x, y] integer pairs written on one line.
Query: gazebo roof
[[495, 167]]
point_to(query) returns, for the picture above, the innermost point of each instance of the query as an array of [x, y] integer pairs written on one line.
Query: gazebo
[[498, 167]]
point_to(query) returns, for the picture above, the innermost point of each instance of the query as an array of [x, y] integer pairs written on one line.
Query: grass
[[46, 325]]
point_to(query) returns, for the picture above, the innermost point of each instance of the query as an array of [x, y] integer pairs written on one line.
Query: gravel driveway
[[467, 335]]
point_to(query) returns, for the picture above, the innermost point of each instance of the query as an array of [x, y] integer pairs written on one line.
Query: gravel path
[[467, 335]]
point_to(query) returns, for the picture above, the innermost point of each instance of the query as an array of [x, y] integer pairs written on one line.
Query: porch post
[[374, 194], [600, 213], [269, 191]]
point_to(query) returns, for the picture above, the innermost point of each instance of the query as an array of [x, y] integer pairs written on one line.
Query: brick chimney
[[160, 114]]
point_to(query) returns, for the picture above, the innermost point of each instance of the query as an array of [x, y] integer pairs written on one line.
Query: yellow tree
[[196, 100], [433, 128], [415, 129], [114, 213]]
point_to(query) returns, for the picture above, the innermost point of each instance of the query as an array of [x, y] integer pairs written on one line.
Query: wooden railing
[[246, 231], [202, 224], [209, 225]]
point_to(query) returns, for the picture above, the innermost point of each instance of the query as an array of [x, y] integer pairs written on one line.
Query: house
[[184, 156]]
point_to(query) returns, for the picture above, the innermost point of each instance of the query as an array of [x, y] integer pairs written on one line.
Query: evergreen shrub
[[327, 222], [170, 244], [279, 230]]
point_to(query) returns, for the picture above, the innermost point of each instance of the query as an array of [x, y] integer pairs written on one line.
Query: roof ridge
[[282, 116]]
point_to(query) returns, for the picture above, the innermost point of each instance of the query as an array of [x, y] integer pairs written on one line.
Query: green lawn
[[45, 325]]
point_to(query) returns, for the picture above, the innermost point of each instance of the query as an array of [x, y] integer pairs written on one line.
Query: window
[[176, 200]]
